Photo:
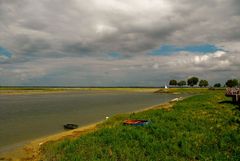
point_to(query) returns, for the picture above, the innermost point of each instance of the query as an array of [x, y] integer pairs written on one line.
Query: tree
[[173, 82], [203, 83], [217, 85], [192, 81], [182, 83], [232, 83]]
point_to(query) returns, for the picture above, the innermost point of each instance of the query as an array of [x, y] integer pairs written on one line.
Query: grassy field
[[202, 127]]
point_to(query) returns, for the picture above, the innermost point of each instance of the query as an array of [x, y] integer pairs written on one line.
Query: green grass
[[202, 127], [183, 90]]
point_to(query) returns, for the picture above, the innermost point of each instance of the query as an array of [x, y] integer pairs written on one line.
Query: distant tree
[[236, 82], [203, 83], [173, 82], [217, 85], [182, 83], [192, 81], [232, 83]]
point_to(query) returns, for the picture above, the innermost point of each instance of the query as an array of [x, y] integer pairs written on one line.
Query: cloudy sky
[[118, 42]]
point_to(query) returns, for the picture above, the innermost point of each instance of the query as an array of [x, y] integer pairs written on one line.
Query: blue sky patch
[[5, 52], [171, 49]]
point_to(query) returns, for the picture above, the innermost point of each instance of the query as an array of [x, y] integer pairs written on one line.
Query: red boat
[[136, 122]]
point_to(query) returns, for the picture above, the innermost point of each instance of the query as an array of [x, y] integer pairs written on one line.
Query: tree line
[[202, 83]]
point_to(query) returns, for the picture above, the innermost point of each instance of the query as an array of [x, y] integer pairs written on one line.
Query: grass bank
[[202, 127], [183, 90]]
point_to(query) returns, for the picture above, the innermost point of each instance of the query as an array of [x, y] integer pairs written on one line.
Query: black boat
[[70, 126]]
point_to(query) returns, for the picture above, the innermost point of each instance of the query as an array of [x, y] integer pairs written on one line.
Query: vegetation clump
[[182, 83], [217, 85], [192, 81], [203, 83], [173, 82], [232, 83]]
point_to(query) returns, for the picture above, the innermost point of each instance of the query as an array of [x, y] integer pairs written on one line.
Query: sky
[[118, 42]]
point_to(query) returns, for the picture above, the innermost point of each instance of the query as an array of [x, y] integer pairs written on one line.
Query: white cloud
[[91, 71], [105, 29], [54, 39]]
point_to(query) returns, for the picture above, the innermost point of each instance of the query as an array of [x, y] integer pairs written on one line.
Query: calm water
[[26, 117]]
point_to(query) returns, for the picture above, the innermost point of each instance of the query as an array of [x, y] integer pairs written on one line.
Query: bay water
[[27, 117]]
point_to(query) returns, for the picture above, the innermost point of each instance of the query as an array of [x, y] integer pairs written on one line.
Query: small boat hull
[[70, 126], [136, 122]]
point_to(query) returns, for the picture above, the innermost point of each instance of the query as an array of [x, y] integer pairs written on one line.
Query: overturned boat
[[70, 126], [136, 122]]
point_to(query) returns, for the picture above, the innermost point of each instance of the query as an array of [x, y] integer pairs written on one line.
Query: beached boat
[[70, 126], [136, 122]]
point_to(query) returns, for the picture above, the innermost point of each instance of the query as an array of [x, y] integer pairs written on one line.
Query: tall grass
[[202, 127]]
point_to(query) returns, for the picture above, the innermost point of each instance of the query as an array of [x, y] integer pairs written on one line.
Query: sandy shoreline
[[31, 150]]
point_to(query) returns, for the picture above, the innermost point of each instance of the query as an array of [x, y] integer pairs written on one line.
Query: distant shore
[[40, 90], [53, 90]]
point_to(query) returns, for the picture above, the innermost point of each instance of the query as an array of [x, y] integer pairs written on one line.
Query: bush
[[173, 82], [217, 85], [182, 83], [203, 83]]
